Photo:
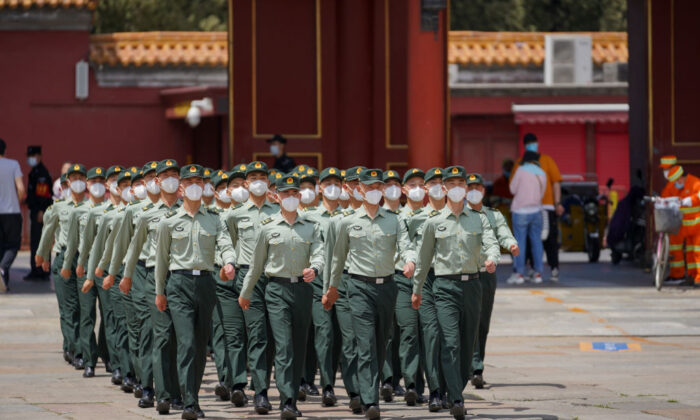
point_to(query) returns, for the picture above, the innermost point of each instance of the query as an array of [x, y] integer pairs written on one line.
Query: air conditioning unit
[[568, 59]]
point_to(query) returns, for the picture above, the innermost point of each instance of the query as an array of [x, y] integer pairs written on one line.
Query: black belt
[[375, 280], [198, 273], [399, 272], [246, 266], [142, 263], [299, 279], [461, 277], [345, 272]]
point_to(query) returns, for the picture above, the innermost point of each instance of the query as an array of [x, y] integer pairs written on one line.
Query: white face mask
[[126, 194], [32, 161], [65, 193], [274, 149], [358, 195], [140, 191], [77, 186], [113, 189], [258, 188], [307, 195], [170, 184], [193, 192], [223, 196], [240, 194], [474, 196], [416, 194], [392, 192], [317, 189], [332, 192], [666, 171], [344, 196], [456, 194], [152, 187], [373, 196], [208, 190], [436, 192], [97, 190], [290, 203]]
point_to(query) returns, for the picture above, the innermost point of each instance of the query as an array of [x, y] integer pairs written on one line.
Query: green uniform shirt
[[284, 250], [456, 244], [500, 228], [370, 244], [103, 232], [56, 228], [124, 216], [187, 242], [76, 228], [143, 242], [48, 215], [123, 236], [243, 222], [327, 224], [88, 230]]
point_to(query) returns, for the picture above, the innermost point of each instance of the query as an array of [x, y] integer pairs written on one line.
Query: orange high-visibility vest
[[691, 215]]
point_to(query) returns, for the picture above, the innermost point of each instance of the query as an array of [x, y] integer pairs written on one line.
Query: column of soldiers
[[302, 271]]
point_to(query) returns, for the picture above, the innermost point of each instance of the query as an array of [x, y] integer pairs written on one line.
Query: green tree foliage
[[160, 15], [539, 15]]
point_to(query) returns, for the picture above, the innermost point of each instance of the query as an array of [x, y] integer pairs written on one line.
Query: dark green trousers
[[327, 336], [68, 305], [144, 345], [260, 344], [108, 320], [409, 339], [164, 347], [88, 318], [130, 304], [191, 300], [102, 347], [348, 354], [373, 315], [431, 337], [229, 336], [488, 293], [458, 307], [121, 306], [288, 306], [391, 371], [308, 373]]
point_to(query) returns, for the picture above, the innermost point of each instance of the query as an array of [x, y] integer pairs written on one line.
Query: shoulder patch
[[348, 212], [434, 213], [266, 221], [171, 213]]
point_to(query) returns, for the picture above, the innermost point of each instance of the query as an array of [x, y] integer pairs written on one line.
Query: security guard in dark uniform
[[283, 163], [38, 200]]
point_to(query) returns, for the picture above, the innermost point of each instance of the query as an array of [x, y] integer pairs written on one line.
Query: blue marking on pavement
[[606, 346]]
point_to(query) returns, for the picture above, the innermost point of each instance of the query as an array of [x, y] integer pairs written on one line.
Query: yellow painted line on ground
[[537, 292], [553, 299], [578, 310]]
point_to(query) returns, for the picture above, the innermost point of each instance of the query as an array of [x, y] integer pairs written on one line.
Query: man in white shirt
[[12, 193]]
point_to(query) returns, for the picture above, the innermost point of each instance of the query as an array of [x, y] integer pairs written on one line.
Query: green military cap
[[76, 168], [150, 166], [287, 182], [310, 175], [413, 172], [300, 169], [125, 174], [64, 178], [353, 174], [454, 172], [331, 173], [237, 171], [166, 164], [96, 172], [370, 176], [114, 170], [218, 178], [191, 171], [475, 179], [208, 172], [391, 174], [342, 174], [256, 166], [136, 175], [434, 173]]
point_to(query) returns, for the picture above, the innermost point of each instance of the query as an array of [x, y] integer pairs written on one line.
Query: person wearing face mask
[[38, 200], [687, 188], [455, 239], [369, 238], [187, 242], [488, 281], [157, 346], [66, 287], [283, 163], [208, 193], [243, 223], [344, 197], [675, 250], [289, 252], [351, 186], [236, 180], [76, 229]]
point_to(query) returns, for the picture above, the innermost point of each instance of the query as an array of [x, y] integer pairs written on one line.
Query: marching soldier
[[289, 250], [186, 245], [236, 185], [455, 238]]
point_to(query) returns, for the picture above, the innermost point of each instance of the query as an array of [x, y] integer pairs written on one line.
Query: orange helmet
[[667, 161], [675, 172]]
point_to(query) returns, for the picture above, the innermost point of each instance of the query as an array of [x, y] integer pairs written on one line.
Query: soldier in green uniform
[[351, 186], [289, 250], [186, 246], [475, 185], [66, 289], [88, 299], [236, 185], [208, 193], [455, 238], [369, 238], [157, 347], [243, 223]]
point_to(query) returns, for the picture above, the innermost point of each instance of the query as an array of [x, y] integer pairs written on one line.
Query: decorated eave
[[55, 4]]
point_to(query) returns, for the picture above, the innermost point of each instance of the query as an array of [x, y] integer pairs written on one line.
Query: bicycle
[[667, 221]]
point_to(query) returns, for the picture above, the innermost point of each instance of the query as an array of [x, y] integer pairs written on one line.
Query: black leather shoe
[[478, 381], [372, 412], [399, 391], [146, 400], [79, 363], [200, 413], [458, 411], [138, 391], [89, 372], [163, 407], [421, 399], [128, 384], [411, 396], [108, 367], [222, 392], [117, 377], [238, 397], [301, 396], [262, 404], [356, 404], [189, 413], [387, 392], [68, 357], [312, 390], [289, 412], [329, 398], [435, 403], [445, 402], [177, 404]]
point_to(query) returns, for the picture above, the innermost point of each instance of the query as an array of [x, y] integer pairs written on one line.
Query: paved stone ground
[[539, 364]]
